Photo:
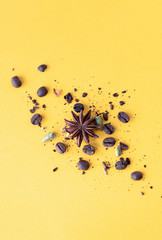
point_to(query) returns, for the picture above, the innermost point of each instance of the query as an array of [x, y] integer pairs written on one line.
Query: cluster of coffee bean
[[108, 142], [87, 149]]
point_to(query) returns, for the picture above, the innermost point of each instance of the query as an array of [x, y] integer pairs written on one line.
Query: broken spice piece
[[68, 97], [111, 107], [42, 68], [84, 94], [105, 116], [56, 92]]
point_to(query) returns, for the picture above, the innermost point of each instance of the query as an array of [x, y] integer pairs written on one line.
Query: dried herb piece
[[55, 169]]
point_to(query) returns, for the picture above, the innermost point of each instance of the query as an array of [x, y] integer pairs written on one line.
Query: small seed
[[99, 122], [118, 150], [49, 137]]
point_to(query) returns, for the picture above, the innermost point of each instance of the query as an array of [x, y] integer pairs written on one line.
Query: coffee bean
[[88, 149], [42, 68], [36, 119], [122, 103], [123, 117], [78, 107], [120, 165], [136, 175], [109, 129], [83, 165], [60, 147], [84, 94], [42, 91], [105, 116], [16, 82], [109, 142], [68, 97], [123, 146]]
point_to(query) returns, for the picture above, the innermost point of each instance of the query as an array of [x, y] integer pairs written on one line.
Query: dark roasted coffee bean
[[115, 95], [36, 119], [42, 68], [60, 147], [120, 165], [109, 129], [111, 107], [16, 82], [68, 97], [127, 161], [123, 146], [109, 142], [88, 149], [136, 175], [105, 116], [84, 94], [122, 103], [42, 91], [78, 107], [83, 165], [123, 117]]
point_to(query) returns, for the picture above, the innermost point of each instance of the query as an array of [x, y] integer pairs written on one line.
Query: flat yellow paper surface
[[114, 45]]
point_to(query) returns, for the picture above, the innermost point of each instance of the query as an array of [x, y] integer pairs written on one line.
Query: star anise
[[81, 128]]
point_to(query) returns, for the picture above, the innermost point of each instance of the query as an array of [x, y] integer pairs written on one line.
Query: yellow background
[[114, 45]]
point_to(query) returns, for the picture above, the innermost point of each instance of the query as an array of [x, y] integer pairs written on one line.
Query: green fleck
[[99, 122], [118, 150], [49, 137]]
